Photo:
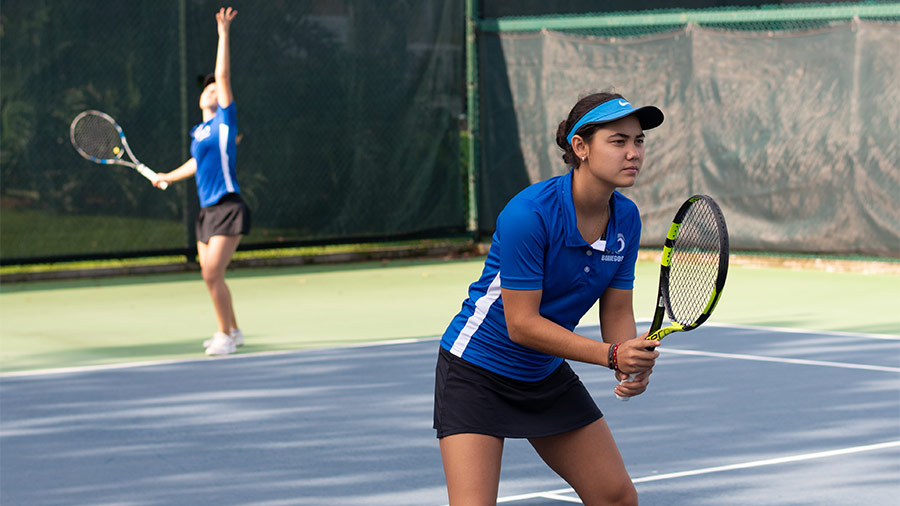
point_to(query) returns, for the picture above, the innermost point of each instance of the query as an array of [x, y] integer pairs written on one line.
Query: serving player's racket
[[694, 265], [97, 137]]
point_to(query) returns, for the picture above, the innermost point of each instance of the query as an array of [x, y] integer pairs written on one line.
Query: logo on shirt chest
[[620, 244], [202, 133]]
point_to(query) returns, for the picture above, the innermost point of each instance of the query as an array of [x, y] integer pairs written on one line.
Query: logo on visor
[[623, 103]]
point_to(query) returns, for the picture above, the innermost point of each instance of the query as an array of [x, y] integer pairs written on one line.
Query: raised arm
[[223, 57]]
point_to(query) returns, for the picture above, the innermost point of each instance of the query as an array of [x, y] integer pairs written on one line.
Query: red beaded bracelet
[[613, 358]]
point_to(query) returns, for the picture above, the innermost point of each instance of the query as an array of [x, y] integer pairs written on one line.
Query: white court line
[[887, 337], [760, 358], [771, 462], [786, 330], [549, 494], [128, 365], [561, 498], [148, 363]]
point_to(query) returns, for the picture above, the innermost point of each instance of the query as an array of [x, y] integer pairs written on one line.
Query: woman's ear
[[579, 146]]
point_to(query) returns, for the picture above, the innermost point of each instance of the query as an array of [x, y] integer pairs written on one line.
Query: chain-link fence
[[348, 116]]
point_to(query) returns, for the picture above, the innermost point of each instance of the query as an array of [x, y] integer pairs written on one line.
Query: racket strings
[[694, 265], [97, 137]]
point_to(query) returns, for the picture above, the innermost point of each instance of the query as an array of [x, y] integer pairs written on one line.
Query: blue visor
[[611, 110]]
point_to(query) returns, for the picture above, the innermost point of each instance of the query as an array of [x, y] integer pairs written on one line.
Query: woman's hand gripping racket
[[97, 137], [694, 265]]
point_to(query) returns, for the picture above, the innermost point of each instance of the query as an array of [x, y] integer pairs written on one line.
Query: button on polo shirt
[[537, 246]]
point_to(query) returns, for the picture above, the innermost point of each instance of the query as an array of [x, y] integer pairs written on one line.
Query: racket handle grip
[[629, 378], [149, 174], [634, 374]]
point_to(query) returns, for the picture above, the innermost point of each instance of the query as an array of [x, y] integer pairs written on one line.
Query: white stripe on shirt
[[482, 306], [223, 155]]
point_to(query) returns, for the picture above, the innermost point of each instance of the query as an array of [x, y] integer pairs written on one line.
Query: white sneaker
[[221, 344], [236, 335]]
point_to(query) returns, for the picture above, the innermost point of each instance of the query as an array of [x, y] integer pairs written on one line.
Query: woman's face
[[208, 99], [615, 152]]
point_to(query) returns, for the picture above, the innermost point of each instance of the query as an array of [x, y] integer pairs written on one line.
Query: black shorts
[[229, 216], [471, 399]]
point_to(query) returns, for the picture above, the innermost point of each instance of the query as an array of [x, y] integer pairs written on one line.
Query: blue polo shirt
[[537, 246], [214, 147]]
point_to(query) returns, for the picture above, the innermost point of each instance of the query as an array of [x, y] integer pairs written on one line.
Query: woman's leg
[[214, 259], [589, 460], [472, 468]]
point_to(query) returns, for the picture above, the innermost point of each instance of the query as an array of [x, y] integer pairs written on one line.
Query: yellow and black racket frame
[[663, 302]]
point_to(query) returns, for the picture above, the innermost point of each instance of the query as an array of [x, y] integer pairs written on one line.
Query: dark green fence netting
[[796, 134], [348, 115], [505, 8]]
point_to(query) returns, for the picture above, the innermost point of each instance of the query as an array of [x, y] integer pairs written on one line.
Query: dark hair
[[585, 132], [205, 80]]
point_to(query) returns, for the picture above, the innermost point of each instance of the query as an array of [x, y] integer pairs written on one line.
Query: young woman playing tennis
[[224, 217], [559, 246]]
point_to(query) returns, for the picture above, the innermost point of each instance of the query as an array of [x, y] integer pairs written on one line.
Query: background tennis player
[[224, 217], [559, 246]]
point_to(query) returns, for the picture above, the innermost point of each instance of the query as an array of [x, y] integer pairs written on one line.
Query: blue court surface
[[734, 416]]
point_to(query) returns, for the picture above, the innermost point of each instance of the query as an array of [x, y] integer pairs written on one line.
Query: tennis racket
[[694, 265], [97, 137]]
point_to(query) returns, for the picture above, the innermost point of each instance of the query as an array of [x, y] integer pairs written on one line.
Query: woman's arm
[[186, 170], [223, 57], [527, 327], [617, 327]]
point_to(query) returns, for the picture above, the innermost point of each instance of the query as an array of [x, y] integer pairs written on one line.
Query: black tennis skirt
[[229, 216], [471, 399]]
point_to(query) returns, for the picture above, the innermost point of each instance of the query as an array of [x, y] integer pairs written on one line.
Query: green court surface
[[60, 324]]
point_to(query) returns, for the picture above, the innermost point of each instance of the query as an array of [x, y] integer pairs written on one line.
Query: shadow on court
[[339, 426], [352, 426]]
